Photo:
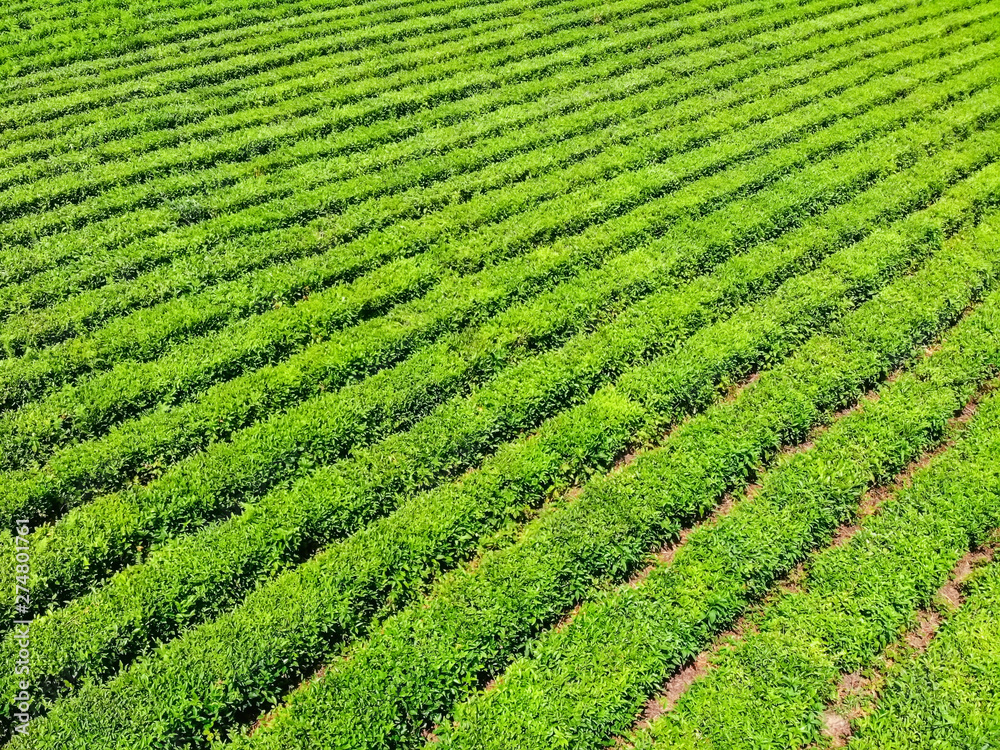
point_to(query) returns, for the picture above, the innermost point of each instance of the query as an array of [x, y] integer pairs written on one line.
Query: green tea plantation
[[500, 374]]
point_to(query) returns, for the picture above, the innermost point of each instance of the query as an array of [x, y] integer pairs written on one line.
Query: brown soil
[[430, 735], [919, 637], [265, 720], [625, 460], [837, 728], [666, 553], [678, 684], [952, 592], [854, 689], [676, 687], [735, 390]]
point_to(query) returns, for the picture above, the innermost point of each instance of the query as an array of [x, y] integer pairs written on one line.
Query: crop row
[[562, 102], [130, 150], [253, 56], [455, 435], [229, 559], [126, 47], [628, 109], [413, 145], [98, 538], [588, 681], [773, 684], [494, 142], [413, 669], [689, 246], [203, 46], [211, 47], [294, 57], [947, 698], [232, 224], [46, 424], [191, 688], [187, 242], [300, 65], [24, 378], [366, 101], [308, 72], [184, 244]]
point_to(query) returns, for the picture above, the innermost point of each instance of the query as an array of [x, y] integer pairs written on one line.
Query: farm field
[[505, 374]]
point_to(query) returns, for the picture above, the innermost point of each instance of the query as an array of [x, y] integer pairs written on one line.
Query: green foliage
[[688, 380], [590, 126], [325, 324], [430, 655]]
